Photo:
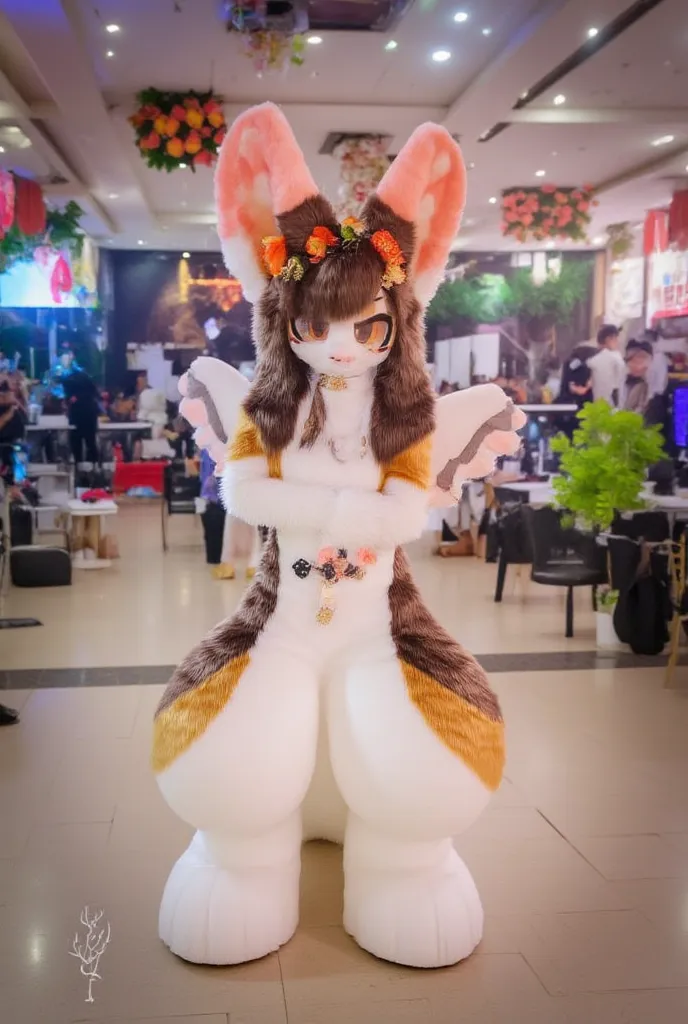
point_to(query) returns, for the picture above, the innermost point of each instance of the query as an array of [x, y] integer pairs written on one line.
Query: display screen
[[681, 417], [36, 285]]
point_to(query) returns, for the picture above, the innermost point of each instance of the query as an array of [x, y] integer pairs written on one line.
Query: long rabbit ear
[[426, 185], [261, 174]]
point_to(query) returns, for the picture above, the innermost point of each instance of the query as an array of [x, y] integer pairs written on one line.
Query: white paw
[[215, 915], [419, 917]]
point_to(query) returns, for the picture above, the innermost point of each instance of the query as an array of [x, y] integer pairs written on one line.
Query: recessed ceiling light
[[110, 54], [186, 255], [550, 245], [471, 165], [599, 240], [440, 56], [559, 99], [113, 195], [141, 242], [540, 174], [13, 129], [492, 200], [460, 17], [2, 149], [663, 140], [314, 40], [487, 31], [112, 28], [391, 45], [592, 32]]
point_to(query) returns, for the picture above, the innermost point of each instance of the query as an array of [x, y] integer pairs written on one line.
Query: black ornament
[[329, 571], [302, 568]]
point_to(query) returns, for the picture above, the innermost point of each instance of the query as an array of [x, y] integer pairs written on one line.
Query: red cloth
[[138, 474], [678, 220], [29, 207], [656, 234]]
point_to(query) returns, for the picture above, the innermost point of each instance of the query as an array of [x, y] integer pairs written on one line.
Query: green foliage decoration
[[62, 231], [604, 466]]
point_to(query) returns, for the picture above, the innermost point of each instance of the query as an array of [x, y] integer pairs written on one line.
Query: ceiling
[[70, 102]]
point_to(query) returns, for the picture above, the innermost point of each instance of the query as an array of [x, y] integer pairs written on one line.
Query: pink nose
[[342, 359]]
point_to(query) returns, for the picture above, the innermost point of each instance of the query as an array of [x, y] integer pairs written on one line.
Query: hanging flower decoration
[[273, 51], [620, 240], [61, 234], [175, 128], [271, 43], [548, 212], [362, 164]]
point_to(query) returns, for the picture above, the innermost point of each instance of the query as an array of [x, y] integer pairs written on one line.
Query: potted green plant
[[604, 466], [457, 307], [604, 620], [603, 470]]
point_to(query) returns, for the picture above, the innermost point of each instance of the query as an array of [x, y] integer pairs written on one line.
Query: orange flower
[[561, 198], [193, 143], [178, 112], [387, 247], [366, 556], [352, 226], [274, 253], [151, 141], [160, 125], [194, 118], [203, 158], [216, 118], [172, 126], [320, 240], [220, 137], [175, 147]]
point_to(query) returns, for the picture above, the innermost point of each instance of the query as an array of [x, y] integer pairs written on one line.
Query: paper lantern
[[7, 195], [29, 207], [678, 220], [656, 232]]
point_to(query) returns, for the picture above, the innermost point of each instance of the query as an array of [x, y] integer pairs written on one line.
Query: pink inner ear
[[261, 173], [426, 185]]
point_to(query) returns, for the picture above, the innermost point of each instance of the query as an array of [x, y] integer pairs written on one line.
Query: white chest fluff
[[341, 456]]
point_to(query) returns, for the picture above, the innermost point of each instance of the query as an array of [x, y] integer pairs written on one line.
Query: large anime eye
[[309, 330], [375, 332]]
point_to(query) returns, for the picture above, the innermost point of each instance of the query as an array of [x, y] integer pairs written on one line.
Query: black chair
[[652, 527], [563, 557], [513, 541], [179, 495]]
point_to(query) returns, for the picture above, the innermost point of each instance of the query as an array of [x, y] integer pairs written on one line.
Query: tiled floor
[[581, 860]]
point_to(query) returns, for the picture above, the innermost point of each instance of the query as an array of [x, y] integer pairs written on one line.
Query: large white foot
[[411, 903], [229, 901]]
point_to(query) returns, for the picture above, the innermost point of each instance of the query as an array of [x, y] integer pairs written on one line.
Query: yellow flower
[[175, 147], [194, 118]]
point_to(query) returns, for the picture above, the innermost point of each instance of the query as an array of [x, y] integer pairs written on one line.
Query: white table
[[542, 493], [88, 534]]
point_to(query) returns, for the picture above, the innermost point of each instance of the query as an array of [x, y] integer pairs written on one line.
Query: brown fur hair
[[337, 289]]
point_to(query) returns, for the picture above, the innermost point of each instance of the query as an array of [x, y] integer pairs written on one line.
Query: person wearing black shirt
[[12, 423], [83, 407]]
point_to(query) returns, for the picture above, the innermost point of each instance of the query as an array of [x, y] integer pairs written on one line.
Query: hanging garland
[[620, 240], [62, 233], [536, 214], [362, 164], [178, 128]]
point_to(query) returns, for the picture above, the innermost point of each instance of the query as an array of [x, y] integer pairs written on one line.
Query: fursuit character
[[332, 705]]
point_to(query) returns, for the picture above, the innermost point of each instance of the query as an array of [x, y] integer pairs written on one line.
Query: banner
[[667, 293]]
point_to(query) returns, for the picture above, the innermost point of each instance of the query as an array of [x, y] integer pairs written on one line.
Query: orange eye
[[309, 330], [375, 333]]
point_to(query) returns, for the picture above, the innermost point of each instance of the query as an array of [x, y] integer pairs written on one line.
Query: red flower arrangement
[[535, 214], [175, 128]]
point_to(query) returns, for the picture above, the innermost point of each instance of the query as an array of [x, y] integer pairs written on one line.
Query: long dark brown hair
[[338, 288]]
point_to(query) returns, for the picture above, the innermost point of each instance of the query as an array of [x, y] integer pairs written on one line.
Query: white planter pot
[[607, 640]]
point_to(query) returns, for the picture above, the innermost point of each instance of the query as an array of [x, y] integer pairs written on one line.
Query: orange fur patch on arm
[[248, 444], [411, 465]]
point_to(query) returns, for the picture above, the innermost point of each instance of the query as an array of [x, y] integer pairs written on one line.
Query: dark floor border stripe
[[142, 675]]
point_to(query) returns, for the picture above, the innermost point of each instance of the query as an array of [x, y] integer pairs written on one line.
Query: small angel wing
[[212, 393], [473, 428]]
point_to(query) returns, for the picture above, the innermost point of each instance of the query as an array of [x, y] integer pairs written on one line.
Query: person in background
[[83, 409], [635, 393], [658, 374], [607, 366], [13, 418], [213, 519]]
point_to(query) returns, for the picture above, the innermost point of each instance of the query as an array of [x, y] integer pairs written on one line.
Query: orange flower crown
[[322, 243]]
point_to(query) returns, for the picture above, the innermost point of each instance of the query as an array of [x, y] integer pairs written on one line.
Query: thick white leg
[[413, 903], [230, 899], [408, 896], [233, 895]]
